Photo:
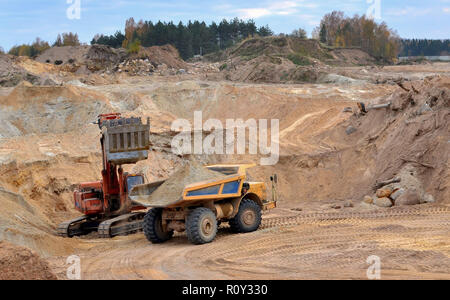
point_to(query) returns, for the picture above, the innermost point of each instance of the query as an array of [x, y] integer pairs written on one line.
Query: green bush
[[134, 46], [299, 59], [223, 67]]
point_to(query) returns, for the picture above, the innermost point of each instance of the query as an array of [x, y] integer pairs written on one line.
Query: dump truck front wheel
[[153, 228], [248, 218], [201, 226]]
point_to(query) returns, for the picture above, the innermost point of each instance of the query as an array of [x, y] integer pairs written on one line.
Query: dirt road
[[412, 243]]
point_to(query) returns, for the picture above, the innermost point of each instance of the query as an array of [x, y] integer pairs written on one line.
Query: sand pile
[[83, 59], [14, 70], [171, 191], [12, 74], [269, 69], [162, 55], [352, 56], [64, 55], [284, 60], [162, 60], [101, 57], [18, 263]]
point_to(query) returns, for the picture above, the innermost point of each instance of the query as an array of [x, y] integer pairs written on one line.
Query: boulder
[[368, 200], [408, 198], [348, 203], [397, 194], [384, 192], [348, 109], [350, 130], [429, 198], [383, 202]]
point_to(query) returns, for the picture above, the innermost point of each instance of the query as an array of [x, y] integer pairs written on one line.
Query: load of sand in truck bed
[[171, 191]]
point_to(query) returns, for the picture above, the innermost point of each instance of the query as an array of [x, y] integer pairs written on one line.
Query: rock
[[423, 109], [336, 206], [368, 200], [76, 82], [48, 82], [408, 198], [348, 109], [429, 198], [384, 192], [397, 194], [383, 202], [348, 203], [350, 130]]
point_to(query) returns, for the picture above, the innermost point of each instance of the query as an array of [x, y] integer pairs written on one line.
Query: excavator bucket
[[127, 141]]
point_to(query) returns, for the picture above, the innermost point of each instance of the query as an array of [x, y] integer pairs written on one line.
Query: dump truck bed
[[190, 183]]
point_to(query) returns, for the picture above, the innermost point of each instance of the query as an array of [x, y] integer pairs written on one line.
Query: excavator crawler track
[[76, 227], [122, 225]]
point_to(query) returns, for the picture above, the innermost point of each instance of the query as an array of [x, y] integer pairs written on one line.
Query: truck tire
[[248, 218], [201, 226], [153, 227]]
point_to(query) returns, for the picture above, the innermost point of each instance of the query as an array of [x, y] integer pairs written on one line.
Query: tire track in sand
[[412, 243]]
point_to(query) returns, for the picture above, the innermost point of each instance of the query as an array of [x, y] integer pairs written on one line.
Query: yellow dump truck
[[227, 197]]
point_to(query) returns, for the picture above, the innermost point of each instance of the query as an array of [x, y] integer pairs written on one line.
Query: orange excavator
[[105, 204]]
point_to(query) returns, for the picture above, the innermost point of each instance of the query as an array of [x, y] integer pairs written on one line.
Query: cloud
[[271, 8], [409, 11], [253, 13]]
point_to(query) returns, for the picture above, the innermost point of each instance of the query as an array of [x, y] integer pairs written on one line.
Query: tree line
[[379, 40], [39, 46], [198, 38], [424, 47], [193, 38]]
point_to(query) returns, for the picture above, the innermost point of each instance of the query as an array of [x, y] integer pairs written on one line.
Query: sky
[[22, 21]]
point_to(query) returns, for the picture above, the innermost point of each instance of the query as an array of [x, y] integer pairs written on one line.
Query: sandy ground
[[47, 145], [412, 243]]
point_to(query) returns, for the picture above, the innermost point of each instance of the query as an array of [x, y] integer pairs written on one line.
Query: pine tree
[[323, 34], [58, 42]]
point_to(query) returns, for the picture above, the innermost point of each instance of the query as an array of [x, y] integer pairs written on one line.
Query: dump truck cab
[[254, 190]]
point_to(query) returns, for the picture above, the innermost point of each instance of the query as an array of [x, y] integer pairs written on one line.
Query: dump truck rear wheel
[[248, 218], [201, 226], [153, 228]]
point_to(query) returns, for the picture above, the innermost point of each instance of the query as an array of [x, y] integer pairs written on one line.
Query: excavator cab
[[133, 180]]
